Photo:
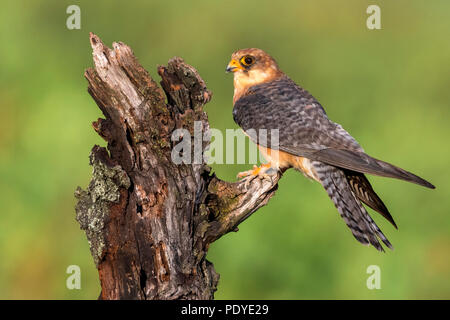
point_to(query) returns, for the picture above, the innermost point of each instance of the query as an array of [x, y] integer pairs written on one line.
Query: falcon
[[265, 99]]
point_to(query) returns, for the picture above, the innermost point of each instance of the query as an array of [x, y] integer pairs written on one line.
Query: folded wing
[[303, 129]]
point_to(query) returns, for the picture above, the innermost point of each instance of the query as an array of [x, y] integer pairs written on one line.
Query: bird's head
[[251, 67]]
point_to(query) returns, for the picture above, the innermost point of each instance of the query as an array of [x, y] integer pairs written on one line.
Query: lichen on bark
[[93, 207]]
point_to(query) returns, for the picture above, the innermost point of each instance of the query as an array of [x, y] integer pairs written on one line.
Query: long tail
[[363, 228], [364, 191]]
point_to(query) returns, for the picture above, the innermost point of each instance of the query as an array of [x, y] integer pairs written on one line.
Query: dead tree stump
[[149, 221]]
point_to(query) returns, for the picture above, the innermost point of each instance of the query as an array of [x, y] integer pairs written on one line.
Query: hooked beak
[[234, 66]]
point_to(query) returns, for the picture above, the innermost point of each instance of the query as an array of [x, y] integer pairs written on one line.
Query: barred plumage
[[265, 98], [363, 228]]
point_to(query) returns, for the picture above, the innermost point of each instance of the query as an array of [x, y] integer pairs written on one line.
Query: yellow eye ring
[[247, 61]]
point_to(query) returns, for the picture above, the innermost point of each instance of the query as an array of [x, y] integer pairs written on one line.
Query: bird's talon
[[265, 171]]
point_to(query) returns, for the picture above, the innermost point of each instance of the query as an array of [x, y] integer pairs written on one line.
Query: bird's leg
[[263, 171]]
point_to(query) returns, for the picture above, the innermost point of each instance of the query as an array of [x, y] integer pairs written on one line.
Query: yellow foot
[[265, 171]]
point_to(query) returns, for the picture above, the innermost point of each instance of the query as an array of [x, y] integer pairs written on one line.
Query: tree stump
[[148, 220]]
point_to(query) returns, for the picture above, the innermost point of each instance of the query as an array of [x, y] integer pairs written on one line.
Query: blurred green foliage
[[389, 88]]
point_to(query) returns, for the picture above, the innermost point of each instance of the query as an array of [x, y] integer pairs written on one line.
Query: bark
[[148, 220]]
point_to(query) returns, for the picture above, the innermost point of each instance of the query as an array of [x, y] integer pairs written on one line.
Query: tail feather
[[363, 228], [364, 191], [374, 228]]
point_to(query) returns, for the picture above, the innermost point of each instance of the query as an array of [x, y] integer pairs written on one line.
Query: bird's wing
[[294, 122]]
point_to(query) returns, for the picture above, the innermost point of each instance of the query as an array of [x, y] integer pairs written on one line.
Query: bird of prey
[[266, 99]]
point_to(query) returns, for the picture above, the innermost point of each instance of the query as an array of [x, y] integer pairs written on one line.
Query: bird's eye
[[247, 61]]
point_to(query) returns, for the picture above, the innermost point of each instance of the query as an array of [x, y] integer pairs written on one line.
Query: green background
[[389, 88]]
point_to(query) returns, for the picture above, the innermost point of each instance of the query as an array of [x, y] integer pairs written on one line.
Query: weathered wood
[[149, 221]]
